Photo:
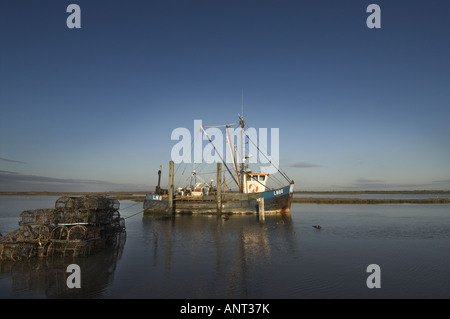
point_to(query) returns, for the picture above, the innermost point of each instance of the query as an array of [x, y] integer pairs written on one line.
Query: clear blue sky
[[93, 108]]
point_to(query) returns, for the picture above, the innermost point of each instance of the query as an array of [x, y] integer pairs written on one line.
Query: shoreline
[[372, 192], [295, 192], [139, 196], [72, 193], [369, 201]]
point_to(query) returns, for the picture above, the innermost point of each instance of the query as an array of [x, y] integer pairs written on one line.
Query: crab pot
[[37, 217], [85, 203], [17, 251], [77, 226]]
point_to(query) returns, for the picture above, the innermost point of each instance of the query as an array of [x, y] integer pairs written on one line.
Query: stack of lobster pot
[[77, 226]]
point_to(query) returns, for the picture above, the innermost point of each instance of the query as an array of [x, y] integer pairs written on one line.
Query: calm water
[[206, 257], [374, 196]]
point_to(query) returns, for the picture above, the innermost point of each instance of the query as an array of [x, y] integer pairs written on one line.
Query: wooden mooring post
[[219, 188], [262, 218], [170, 208]]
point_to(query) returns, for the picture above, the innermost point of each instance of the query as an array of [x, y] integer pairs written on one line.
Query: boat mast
[[242, 159], [234, 157]]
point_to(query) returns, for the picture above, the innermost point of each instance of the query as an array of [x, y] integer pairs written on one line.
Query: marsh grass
[[328, 200], [140, 196]]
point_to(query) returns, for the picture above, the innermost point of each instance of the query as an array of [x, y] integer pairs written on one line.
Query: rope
[[282, 173], [221, 125], [184, 169], [131, 206], [134, 214], [226, 166]]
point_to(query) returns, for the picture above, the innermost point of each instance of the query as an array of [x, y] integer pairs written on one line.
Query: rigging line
[[219, 154], [228, 188], [199, 168], [270, 161], [278, 182], [185, 181], [208, 173], [221, 125], [275, 178], [265, 186], [182, 174], [282, 172], [227, 181], [225, 184], [176, 171]]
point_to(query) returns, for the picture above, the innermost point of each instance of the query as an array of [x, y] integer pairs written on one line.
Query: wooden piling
[[170, 208], [219, 188], [262, 218]]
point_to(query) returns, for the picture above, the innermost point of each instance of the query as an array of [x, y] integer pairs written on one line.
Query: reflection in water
[[237, 257], [221, 251], [46, 277]]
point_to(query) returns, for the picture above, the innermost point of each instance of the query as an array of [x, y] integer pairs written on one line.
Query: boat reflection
[[219, 250]]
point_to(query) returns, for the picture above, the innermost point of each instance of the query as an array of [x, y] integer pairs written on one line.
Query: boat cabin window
[[255, 178], [262, 178]]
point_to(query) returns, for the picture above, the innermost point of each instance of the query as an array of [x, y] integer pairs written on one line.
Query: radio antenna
[[242, 104]]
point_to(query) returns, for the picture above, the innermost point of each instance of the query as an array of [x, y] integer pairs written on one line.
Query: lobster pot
[[83, 203], [121, 223], [77, 226], [115, 216], [69, 217], [61, 248], [77, 240], [37, 234], [118, 222], [28, 234], [74, 233], [108, 217], [83, 233], [17, 251], [113, 204], [67, 202], [37, 217]]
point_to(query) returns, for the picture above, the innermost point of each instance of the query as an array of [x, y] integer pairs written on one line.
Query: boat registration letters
[[156, 197]]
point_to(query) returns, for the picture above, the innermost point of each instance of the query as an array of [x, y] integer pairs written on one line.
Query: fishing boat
[[252, 194]]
